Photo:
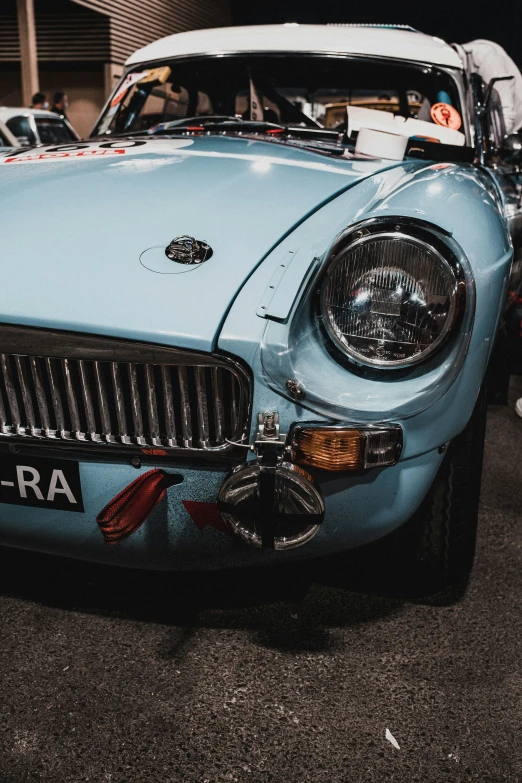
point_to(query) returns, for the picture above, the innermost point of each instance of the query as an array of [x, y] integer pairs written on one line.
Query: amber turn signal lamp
[[328, 449], [343, 448]]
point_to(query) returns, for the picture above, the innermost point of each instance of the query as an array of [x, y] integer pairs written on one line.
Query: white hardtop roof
[[379, 41], [6, 112]]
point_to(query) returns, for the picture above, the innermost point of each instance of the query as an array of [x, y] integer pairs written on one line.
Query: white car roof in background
[[371, 40], [6, 112]]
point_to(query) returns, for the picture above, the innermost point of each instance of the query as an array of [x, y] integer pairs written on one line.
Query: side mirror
[[25, 141], [511, 149]]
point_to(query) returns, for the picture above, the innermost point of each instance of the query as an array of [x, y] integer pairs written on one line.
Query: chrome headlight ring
[[392, 292]]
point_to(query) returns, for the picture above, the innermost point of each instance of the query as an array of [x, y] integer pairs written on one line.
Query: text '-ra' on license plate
[[42, 483]]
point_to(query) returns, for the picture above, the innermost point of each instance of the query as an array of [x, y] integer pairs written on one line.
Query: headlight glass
[[389, 299]]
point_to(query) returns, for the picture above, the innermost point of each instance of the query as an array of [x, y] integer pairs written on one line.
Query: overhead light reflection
[[261, 166]]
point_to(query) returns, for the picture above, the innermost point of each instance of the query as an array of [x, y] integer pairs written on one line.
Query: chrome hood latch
[[187, 250]]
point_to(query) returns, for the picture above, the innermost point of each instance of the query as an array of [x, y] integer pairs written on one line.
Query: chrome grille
[[65, 388]]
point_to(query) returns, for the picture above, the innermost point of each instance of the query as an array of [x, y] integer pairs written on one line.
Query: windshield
[[53, 131], [30, 130], [4, 141], [305, 90]]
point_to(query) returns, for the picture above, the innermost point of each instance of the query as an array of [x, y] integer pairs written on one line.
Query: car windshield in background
[[307, 90], [50, 130], [53, 131], [4, 142]]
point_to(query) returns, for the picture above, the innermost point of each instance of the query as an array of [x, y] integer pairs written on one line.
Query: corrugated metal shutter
[[135, 23], [80, 36]]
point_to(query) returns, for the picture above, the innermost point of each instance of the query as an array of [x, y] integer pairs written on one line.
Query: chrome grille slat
[[10, 391], [119, 402], [26, 394], [102, 400], [88, 391], [87, 399], [55, 397], [39, 390], [168, 403], [186, 424], [219, 410], [135, 404], [152, 405], [202, 408], [71, 399]]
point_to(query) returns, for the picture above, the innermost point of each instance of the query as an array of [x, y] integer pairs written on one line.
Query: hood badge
[[187, 250]]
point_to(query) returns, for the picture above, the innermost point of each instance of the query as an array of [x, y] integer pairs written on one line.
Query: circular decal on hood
[[444, 114], [155, 260]]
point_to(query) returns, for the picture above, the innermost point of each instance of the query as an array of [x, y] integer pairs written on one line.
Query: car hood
[[84, 229]]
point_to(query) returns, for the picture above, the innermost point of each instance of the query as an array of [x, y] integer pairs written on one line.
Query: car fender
[[460, 200]]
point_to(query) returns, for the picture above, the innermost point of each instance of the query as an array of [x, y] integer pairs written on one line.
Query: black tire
[[437, 544]]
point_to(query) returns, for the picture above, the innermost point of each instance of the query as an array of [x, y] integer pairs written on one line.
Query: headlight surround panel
[[343, 390], [392, 293]]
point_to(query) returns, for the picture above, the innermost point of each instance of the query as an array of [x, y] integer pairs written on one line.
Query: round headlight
[[389, 299]]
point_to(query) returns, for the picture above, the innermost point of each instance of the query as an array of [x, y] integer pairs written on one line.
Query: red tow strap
[[126, 512]]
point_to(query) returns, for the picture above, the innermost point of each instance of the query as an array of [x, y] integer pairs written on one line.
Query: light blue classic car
[[256, 322]]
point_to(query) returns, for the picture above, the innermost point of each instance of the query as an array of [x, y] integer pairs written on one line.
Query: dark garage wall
[[73, 34], [135, 23]]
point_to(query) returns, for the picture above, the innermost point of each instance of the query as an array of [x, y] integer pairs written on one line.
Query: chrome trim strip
[[221, 53], [234, 403], [3, 417], [219, 413]]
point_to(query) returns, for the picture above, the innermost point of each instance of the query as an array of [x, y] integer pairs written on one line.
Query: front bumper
[[358, 509]]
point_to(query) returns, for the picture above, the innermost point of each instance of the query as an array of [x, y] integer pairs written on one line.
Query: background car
[[7, 139], [33, 127], [261, 339]]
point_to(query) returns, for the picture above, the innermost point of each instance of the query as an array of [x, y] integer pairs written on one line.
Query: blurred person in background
[[60, 104], [39, 101]]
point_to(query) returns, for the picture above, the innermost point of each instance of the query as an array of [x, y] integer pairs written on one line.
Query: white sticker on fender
[[93, 151]]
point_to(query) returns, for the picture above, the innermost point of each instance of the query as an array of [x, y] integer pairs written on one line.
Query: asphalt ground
[[111, 675]]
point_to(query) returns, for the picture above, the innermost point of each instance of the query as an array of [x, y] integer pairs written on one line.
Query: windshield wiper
[[216, 122], [324, 140], [222, 123]]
